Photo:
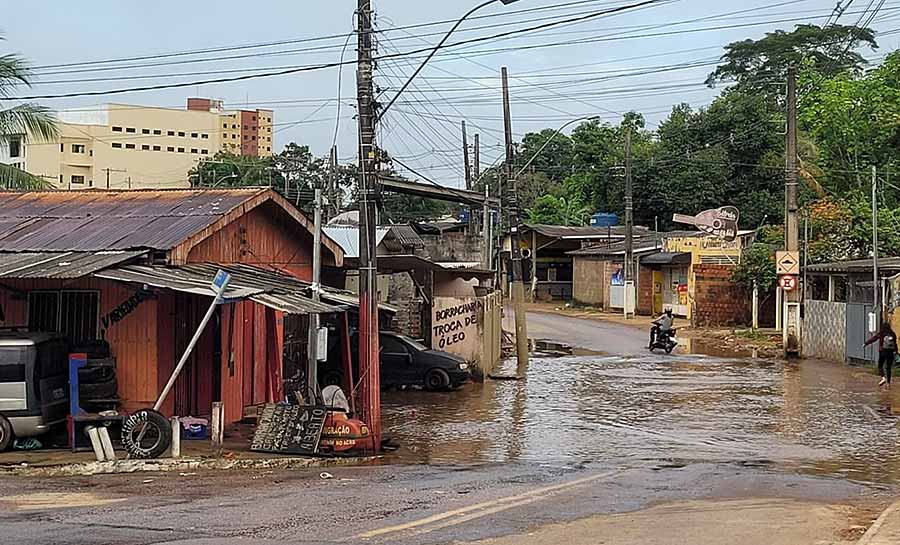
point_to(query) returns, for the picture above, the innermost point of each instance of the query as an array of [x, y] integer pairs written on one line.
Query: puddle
[[56, 500], [808, 417]]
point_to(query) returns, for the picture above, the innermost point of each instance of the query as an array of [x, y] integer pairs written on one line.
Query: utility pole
[[629, 231], [370, 388], [312, 351], [333, 208], [517, 289], [791, 317], [876, 287], [476, 155], [465, 144]]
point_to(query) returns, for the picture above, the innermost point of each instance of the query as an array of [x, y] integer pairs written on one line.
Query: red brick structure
[[717, 300], [645, 291]]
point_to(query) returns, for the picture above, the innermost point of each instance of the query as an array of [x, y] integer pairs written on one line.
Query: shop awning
[[667, 258], [274, 290], [64, 265]]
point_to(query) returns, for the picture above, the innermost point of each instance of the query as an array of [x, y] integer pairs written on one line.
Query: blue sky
[[550, 85]]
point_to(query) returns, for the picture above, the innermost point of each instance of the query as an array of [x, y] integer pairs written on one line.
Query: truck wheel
[[437, 379], [7, 437], [156, 431]]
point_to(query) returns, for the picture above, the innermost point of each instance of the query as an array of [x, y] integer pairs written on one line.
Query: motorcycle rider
[[661, 326]]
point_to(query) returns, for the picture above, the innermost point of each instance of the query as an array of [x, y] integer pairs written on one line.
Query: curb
[[181, 464], [870, 537]]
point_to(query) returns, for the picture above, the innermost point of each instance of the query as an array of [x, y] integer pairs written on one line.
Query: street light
[[552, 137], [437, 47], [226, 177]]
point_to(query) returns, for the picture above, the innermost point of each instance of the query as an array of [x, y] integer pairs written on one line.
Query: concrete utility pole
[[465, 144], [313, 356], [629, 231], [370, 388], [878, 305], [791, 317], [517, 290], [333, 207]]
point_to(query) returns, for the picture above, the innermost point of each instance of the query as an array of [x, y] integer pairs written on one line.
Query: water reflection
[[810, 416]]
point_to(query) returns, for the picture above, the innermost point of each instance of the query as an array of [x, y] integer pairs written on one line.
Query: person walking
[[887, 351]]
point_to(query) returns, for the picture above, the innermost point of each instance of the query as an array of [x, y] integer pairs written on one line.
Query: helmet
[[669, 311]]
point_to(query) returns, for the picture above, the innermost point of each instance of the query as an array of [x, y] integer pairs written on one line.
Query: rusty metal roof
[[89, 221], [60, 264]]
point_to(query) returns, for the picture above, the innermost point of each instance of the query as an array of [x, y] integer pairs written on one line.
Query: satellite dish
[[335, 399]]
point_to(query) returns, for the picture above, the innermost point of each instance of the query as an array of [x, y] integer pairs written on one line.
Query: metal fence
[[824, 330], [857, 332]]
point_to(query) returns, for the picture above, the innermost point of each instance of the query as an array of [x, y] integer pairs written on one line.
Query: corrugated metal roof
[[860, 265], [641, 245], [61, 264], [347, 237], [273, 290], [667, 258], [407, 235], [59, 221], [561, 231]]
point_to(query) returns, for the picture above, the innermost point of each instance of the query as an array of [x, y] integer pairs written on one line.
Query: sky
[[645, 59]]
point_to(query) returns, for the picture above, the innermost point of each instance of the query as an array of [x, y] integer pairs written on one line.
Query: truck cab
[[34, 384]]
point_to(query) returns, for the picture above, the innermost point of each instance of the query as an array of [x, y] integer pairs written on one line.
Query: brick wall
[[590, 281], [717, 300], [645, 291]]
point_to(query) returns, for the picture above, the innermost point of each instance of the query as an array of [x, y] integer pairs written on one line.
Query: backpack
[[889, 342]]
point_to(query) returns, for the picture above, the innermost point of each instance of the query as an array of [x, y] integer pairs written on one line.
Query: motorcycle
[[665, 340]]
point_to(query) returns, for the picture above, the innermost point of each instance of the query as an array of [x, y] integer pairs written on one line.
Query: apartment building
[[120, 146]]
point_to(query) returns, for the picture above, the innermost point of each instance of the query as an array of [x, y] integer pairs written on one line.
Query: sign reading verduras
[[289, 429], [721, 222]]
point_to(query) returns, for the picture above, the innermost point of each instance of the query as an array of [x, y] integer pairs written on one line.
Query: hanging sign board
[[721, 222]]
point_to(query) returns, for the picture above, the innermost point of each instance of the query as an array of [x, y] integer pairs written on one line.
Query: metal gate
[[857, 333]]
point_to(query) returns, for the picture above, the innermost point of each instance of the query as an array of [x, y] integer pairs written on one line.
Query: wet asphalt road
[[582, 436]]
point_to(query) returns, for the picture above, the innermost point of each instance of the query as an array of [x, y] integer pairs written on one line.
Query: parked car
[[34, 384], [404, 361]]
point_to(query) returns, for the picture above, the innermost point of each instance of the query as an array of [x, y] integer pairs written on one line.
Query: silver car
[[34, 384]]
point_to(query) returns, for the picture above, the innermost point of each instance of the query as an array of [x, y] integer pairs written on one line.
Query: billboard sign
[[721, 222]]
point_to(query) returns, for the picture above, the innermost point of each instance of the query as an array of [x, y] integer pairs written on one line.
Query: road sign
[[788, 263], [220, 282], [787, 282]]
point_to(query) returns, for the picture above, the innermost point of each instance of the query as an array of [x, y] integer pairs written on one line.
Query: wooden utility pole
[[791, 317], [878, 304], [517, 290], [465, 144], [370, 387], [629, 231], [476, 155]]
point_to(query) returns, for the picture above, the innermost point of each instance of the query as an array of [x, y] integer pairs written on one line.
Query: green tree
[[755, 64], [230, 170], [407, 208], [757, 268], [27, 120]]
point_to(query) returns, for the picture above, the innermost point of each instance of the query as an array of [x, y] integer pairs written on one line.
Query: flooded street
[[809, 417]]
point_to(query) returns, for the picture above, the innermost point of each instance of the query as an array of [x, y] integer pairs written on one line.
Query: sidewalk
[[885, 530]]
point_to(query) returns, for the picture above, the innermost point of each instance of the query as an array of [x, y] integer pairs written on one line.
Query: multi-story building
[[122, 146]]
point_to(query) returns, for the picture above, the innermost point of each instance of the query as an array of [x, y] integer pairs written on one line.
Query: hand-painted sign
[[289, 429], [721, 222], [122, 311], [453, 324]]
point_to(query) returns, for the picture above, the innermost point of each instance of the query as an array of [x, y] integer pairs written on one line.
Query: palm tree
[[32, 120]]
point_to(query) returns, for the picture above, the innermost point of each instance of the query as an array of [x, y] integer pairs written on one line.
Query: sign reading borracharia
[[721, 222]]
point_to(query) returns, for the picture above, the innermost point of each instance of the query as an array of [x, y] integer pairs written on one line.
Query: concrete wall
[[470, 327], [824, 330], [590, 282], [453, 247], [717, 300]]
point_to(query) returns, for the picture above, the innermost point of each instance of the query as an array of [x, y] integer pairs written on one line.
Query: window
[[117, 129], [268, 148], [224, 125], [253, 137], [246, 137], [233, 136], [129, 146], [62, 148], [15, 146], [157, 132], [74, 313], [233, 126], [245, 127], [840, 289], [60, 178], [390, 345], [818, 288], [145, 147], [204, 135], [78, 148], [130, 129], [170, 148], [157, 148], [180, 150], [145, 131], [194, 135], [194, 150], [171, 133], [76, 179], [181, 133], [117, 145]]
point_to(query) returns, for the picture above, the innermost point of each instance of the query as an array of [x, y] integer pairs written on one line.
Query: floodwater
[[810, 417]]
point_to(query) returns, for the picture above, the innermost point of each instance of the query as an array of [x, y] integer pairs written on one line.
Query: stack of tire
[[97, 383]]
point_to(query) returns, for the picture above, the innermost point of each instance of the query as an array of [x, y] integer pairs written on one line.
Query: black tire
[[7, 437], [101, 390], [437, 379], [669, 348], [93, 375], [157, 437]]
